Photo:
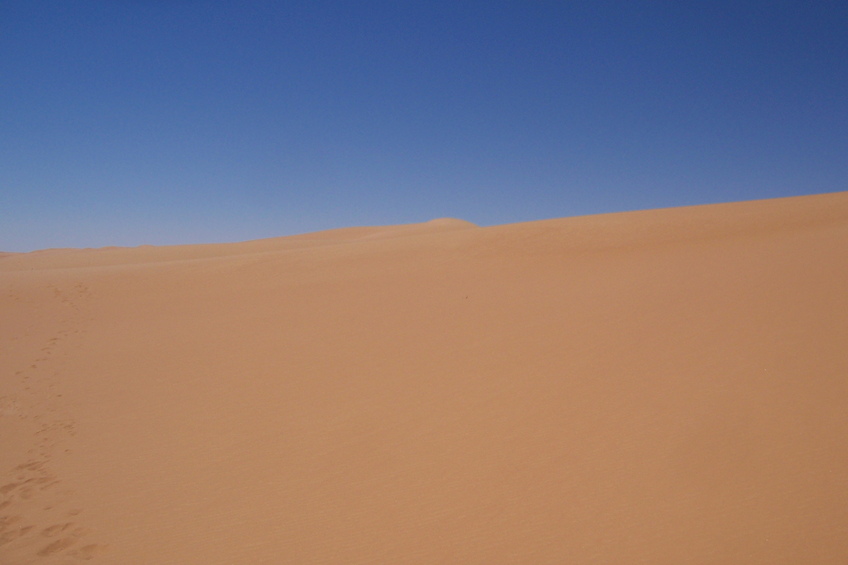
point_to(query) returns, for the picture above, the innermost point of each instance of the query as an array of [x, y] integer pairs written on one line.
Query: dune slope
[[664, 387]]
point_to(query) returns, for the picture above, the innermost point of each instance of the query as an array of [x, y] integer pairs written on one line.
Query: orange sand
[[663, 387]]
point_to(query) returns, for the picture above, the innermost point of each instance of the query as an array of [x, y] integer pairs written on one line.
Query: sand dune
[[661, 387], [110, 256]]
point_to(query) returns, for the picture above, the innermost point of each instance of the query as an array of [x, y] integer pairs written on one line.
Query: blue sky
[[128, 122]]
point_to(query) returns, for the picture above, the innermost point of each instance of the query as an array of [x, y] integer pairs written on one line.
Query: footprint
[[8, 537], [89, 551], [12, 535], [57, 546], [31, 465], [9, 487], [7, 521], [56, 529]]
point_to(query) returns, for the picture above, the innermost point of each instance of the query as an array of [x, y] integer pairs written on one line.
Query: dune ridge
[[106, 256], [664, 386]]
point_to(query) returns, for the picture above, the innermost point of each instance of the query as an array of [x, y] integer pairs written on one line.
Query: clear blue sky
[[127, 122]]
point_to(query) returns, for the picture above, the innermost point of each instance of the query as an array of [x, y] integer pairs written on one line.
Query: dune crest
[[666, 386], [111, 256]]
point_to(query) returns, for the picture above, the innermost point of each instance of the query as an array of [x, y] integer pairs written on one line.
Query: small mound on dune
[[451, 223], [433, 226]]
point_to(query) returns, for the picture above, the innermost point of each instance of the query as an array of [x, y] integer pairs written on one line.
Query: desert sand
[[663, 387]]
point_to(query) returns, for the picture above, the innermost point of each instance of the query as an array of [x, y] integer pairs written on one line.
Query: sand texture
[[660, 387]]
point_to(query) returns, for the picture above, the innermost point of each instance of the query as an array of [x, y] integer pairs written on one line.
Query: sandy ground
[[662, 387]]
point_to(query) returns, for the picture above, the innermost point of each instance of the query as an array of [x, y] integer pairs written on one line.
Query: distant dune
[[112, 256], [664, 387]]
